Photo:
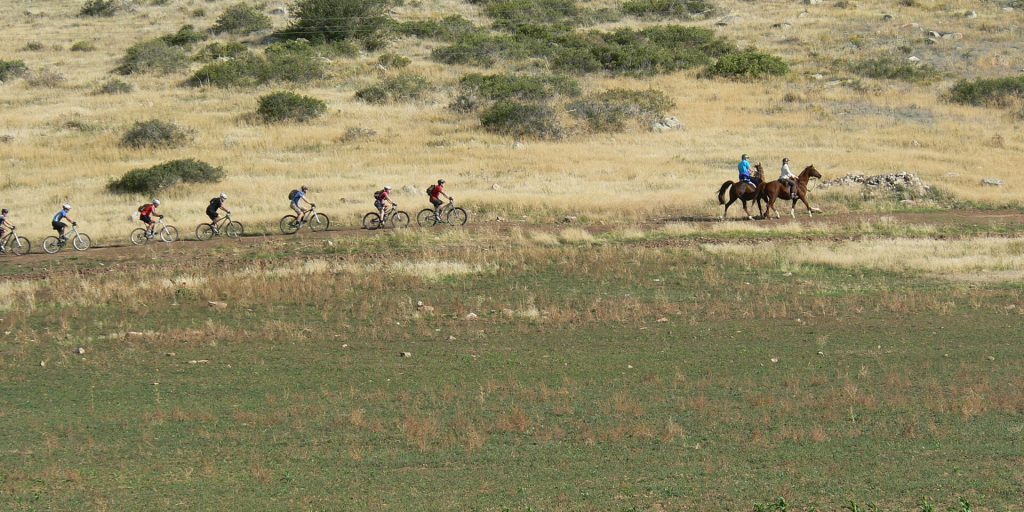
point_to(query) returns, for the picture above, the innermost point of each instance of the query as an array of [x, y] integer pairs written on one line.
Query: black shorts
[[436, 202], [212, 215], [146, 219], [59, 226]]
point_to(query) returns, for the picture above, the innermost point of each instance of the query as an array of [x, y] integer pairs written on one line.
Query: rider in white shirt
[[786, 177]]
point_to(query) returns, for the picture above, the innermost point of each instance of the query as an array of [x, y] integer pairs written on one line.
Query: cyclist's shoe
[[62, 239], [216, 231], [2, 250]]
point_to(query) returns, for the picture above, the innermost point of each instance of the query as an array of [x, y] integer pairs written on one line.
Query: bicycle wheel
[[81, 242], [169, 234], [425, 218], [19, 245], [319, 222], [233, 229], [204, 232], [289, 224], [51, 244], [138, 236], [457, 216], [399, 220], [371, 221]]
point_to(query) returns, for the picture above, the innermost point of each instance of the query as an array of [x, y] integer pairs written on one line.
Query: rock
[[952, 35], [230, 142], [495, 187], [217, 305], [818, 76], [419, 303], [895, 182], [933, 34], [820, 353], [80, 350], [508, 313], [499, 219], [279, 10], [666, 123], [992, 182], [42, 363], [888, 17], [199, 361], [329, 243], [518, 145], [991, 358], [915, 143], [426, 309], [775, 359], [970, 15], [472, 316], [782, 26], [451, 338], [134, 334], [913, 60], [569, 219], [405, 354], [409, 189], [1007, 9], [803, 14], [170, 354]]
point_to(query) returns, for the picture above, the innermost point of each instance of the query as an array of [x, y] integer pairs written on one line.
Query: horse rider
[[787, 178], [744, 168]]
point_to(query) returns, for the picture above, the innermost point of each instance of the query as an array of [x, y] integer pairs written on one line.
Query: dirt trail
[[103, 258]]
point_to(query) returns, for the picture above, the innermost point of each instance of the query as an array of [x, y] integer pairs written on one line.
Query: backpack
[[378, 195], [431, 189], [143, 207], [292, 194]]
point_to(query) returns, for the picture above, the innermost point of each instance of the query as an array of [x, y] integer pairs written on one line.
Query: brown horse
[[776, 190], [742, 191]]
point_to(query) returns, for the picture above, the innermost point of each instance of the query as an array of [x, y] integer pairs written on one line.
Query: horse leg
[[792, 208], [745, 210], [803, 197], [727, 205]]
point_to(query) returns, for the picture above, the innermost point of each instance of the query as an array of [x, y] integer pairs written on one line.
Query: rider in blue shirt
[[58, 220], [300, 212], [744, 168]]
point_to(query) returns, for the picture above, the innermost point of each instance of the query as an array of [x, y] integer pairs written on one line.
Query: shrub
[[115, 86], [33, 46], [514, 14], [100, 8], [392, 60], [667, 8], [321, 21], [154, 55], [610, 110], [449, 28], [45, 78], [895, 69], [477, 49], [221, 51], [518, 87], [288, 106], [1000, 92], [526, 120], [185, 37], [155, 134], [245, 70], [747, 64], [291, 61], [11, 69], [83, 46], [404, 87], [294, 61], [241, 19], [165, 175]]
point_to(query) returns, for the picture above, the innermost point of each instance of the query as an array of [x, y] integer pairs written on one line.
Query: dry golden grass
[[839, 128]]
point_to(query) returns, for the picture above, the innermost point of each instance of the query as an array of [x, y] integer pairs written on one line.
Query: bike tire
[[81, 242], [319, 222], [371, 221], [289, 224], [169, 234], [204, 232], [425, 218], [138, 236], [457, 217], [400, 220], [51, 245], [19, 245], [234, 229]]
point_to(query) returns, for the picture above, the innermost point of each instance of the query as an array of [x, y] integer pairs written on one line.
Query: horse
[[742, 191], [777, 190]]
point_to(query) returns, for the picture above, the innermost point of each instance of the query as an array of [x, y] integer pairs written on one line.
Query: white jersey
[[786, 174]]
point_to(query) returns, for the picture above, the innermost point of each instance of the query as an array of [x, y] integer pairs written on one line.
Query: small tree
[[241, 19], [340, 20], [288, 106], [154, 55], [155, 134]]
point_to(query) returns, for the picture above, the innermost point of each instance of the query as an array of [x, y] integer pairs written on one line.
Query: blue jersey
[[298, 195], [60, 215]]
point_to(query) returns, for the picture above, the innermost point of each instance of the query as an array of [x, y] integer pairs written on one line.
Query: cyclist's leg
[[59, 228], [298, 212]]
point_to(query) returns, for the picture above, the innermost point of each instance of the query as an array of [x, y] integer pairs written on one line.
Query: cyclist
[[4, 223], [215, 205], [435, 191], [380, 198], [58, 221], [295, 197], [146, 214]]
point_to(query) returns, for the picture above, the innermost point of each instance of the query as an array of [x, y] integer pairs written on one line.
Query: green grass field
[[603, 371]]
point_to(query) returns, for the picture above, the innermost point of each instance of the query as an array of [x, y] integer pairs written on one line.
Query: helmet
[[305, 187], [785, 159], [66, 206], [4, 211], [744, 157], [156, 202], [223, 195], [440, 182], [387, 187]]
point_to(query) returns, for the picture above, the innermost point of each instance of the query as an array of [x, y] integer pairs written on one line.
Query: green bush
[[185, 37], [294, 61], [245, 70], [514, 14], [221, 51], [288, 106], [518, 87], [153, 56], [610, 110], [999, 92], [83, 46], [404, 87], [241, 19], [115, 86], [33, 46], [522, 120], [747, 64], [449, 28], [165, 175], [155, 134], [100, 8], [290, 61], [392, 60], [667, 8], [12, 69], [322, 21], [895, 69], [478, 49]]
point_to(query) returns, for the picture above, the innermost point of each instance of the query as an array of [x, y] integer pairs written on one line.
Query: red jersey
[[147, 210], [438, 189], [384, 194]]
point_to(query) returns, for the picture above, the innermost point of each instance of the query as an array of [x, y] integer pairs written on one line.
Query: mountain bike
[[223, 226], [80, 241], [449, 214], [393, 217], [166, 232], [316, 220], [14, 244]]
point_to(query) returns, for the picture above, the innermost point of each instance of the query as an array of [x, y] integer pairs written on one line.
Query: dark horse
[[742, 191], [778, 190]]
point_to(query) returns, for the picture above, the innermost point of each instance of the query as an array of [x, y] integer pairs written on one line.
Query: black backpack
[[431, 189], [143, 207], [292, 194]]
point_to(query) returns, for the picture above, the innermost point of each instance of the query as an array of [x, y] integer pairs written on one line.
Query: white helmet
[[387, 187], [67, 206], [156, 202], [223, 195]]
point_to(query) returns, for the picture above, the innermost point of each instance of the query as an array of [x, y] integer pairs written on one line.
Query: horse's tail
[[721, 191]]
